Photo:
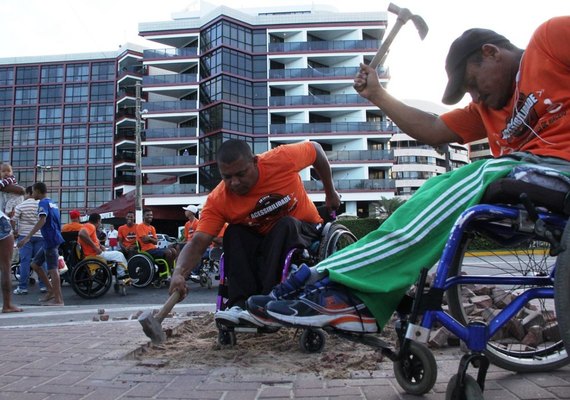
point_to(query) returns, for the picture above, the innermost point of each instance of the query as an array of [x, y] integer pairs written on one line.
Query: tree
[[388, 206]]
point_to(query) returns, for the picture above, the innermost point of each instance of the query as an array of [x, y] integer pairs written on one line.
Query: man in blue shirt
[[49, 223]]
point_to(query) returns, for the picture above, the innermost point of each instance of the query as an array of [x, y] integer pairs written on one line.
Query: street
[[78, 310]]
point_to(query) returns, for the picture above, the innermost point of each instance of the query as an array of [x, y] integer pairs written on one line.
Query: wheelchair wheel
[[527, 257], [562, 289], [91, 278], [141, 270], [470, 391], [338, 237], [416, 370]]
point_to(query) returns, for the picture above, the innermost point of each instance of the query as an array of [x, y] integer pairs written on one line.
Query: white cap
[[192, 208]]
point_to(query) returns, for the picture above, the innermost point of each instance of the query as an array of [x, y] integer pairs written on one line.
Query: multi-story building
[[267, 76], [57, 124]]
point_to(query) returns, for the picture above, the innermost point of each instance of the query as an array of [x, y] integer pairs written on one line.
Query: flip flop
[[45, 298]]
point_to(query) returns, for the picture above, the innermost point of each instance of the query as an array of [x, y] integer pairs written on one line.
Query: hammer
[[152, 324], [404, 15]]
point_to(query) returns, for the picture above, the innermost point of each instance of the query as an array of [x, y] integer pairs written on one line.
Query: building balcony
[[176, 189], [170, 53], [170, 79], [334, 45], [125, 134], [339, 100], [169, 161], [125, 156], [360, 155], [332, 127], [302, 73], [171, 133], [318, 73], [124, 180], [380, 185], [171, 106]]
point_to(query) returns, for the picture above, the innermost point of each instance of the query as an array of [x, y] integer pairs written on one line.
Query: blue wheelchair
[[526, 268]]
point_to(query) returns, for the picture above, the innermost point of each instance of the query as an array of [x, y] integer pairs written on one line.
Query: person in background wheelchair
[[91, 246], [269, 212], [147, 240], [520, 102]]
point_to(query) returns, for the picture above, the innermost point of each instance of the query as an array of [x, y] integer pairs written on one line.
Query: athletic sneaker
[[325, 305], [236, 316], [20, 291], [229, 316], [285, 290]]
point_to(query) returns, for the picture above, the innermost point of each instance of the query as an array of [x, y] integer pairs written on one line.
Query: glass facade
[[57, 126]]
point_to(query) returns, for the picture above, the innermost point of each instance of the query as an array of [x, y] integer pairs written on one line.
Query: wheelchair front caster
[[312, 340], [226, 337], [470, 390], [416, 369]]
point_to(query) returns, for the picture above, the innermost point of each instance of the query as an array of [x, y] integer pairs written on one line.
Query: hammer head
[[405, 15], [152, 327]]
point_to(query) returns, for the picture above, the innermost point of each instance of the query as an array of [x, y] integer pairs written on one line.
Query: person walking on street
[[112, 238], [24, 219], [50, 225]]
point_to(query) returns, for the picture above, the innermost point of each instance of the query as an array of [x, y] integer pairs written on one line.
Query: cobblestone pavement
[[96, 360]]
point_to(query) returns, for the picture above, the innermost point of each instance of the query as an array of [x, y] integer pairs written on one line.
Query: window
[[101, 133], [75, 134], [99, 176], [23, 156], [48, 156], [102, 91], [73, 177], [51, 94], [103, 71], [24, 137], [74, 155], [5, 116], [26, 95], [25, 116], [76, 93], [77, 73], [73, 198], [100, 155], [75, 113], [97, 197], [52, 73], [102, 113], [6, 96], [6, 76], [49, 135], [50, 115], [26, 75]]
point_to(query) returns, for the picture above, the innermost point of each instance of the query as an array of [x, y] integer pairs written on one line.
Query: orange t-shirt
[[278, 192], [145, 230], [542, 101], [127, 235], [190, 228], [72, 227], [92, 232]]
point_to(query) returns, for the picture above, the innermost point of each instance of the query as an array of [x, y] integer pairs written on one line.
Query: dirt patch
[[195, 345]]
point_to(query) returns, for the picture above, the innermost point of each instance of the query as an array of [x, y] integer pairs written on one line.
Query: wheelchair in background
[[92, 276], [334, 236], [145, 269]]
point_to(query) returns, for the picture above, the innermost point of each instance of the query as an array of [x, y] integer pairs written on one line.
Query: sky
[[40, 27]]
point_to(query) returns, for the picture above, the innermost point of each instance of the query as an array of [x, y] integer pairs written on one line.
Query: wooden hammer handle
[[168, 306]]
